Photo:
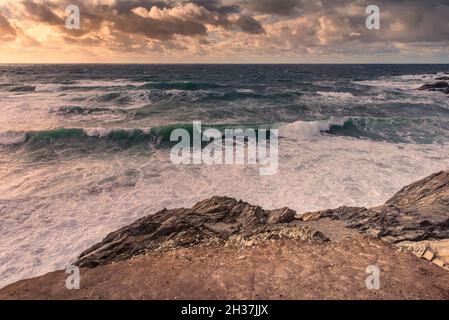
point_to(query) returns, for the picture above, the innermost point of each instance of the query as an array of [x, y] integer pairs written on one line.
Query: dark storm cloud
[[125, 6], [342, 21], [41, 12], [249, 25], [121, 16], [418, 21], [217, 7], [408, 21], [279, 7], [157, 29]]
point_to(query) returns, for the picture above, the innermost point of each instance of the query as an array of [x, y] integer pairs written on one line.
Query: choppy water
[[82, 152]]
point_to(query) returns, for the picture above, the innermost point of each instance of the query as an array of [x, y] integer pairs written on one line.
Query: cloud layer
[[225, 31]]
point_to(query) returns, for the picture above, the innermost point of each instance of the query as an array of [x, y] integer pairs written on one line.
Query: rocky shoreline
[[214, 249], [440, 86], [417, 215], [414, 219]]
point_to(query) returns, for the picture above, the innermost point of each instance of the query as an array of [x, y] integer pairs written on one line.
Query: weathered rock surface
[[434, 251], [284, 269], [216, 221]]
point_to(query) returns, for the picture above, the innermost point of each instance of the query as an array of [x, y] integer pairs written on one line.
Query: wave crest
[[308, 129]]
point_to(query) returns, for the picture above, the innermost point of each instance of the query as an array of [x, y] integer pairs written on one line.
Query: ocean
[[84, 149]]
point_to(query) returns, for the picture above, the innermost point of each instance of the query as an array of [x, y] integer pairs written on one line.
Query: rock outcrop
[[216, 221], [440, 86], [416, 216], [436, 251]]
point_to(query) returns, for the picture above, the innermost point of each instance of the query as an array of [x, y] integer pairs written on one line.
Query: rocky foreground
[[222, 248]]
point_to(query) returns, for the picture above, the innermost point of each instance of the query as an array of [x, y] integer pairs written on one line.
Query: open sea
[[83, 148]]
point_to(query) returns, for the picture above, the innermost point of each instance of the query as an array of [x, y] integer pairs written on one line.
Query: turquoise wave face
[[48, 143], [394, 130], [112, 140]]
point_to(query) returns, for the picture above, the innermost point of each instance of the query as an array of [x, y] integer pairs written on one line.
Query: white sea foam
[[47, 87], [391, 84], [8, 138], [245, 90], [403, 82], [336, 95], [97, 132], [421, 77], [56, 87], [406, 85], [107, 83], [307, 129], [103, 132]]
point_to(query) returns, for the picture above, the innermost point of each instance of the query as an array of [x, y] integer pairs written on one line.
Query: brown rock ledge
[[284, 269]]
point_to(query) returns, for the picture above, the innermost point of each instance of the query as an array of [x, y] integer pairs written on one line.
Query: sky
[[224, 31]]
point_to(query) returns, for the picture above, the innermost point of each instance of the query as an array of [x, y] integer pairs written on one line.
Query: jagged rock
[[440, 86], [435, 251], [314, 216], [218, 220], [428, 255], [418, 212], [284, 215]]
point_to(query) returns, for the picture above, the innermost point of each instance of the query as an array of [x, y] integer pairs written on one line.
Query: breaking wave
[[394, 130]]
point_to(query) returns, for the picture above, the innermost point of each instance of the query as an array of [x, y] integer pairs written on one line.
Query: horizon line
[[221, 63]]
